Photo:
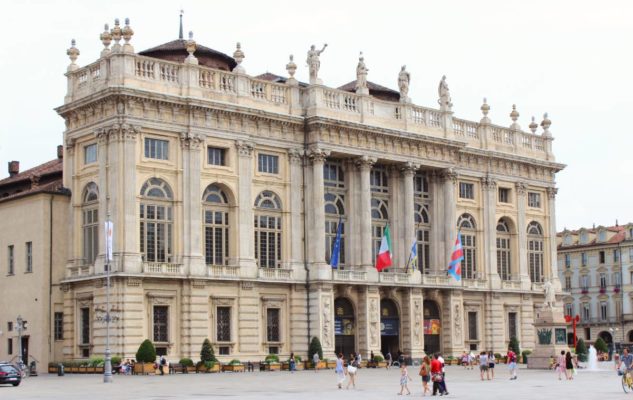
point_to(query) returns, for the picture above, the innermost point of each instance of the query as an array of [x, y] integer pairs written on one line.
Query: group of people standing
[[432, 370], [565, 365]]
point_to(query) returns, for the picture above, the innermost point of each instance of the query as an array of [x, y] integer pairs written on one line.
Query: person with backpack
[[425, 373]]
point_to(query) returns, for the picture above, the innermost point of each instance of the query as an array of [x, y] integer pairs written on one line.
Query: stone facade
[[225, 191], [595, 267]]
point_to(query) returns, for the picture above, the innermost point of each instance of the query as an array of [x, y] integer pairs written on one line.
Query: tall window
[[156, 221], [512, 325], [568, 283], [29, 256], [59, 326], [157, 149], [472, 326], [504, 195], [583, 259], [466, 190], [567, 260], [604, 310], [379, 186], [335, 189], [216, 225], [268, 163], [603, 281], [90, 223], [422, 222], [85, 325], [268, 230], [503, 250], [534, 199], [601, 257], [90, 153], [161, 324], [10, 260], [616, 255], [466, 224], [535, 251], [584, 282], [272, 325], [223, 324], [569, 309], [586, 311], [216, 156]]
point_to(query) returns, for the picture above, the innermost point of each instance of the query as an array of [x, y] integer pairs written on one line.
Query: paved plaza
[[372, 384]]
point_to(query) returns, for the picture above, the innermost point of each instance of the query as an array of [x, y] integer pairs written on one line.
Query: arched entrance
[[389, 327], [432, 327], [344, 327]]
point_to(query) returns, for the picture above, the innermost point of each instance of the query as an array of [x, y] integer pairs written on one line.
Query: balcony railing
[[223, 271], [394, 277], [275, 273], [349, 275], [162, 268]]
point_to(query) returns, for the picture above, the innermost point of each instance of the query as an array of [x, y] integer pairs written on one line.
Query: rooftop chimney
[[60, 151], [14, 168]]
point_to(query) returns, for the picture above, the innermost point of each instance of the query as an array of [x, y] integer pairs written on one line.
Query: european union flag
[[336, 249]]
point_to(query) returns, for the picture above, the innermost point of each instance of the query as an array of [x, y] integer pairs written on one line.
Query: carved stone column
[[438, 244], [74, 212], [129, 243], [450, 217], [489, 187], [317, 230], [553, 272], [364, 164], [522, 235], [192, 205], [246, 251], [408, 224], [412, 322], [296, 207], [368, 317]]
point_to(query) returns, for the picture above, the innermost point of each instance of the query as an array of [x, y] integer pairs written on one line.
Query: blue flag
[[336, 249], [414, 255]]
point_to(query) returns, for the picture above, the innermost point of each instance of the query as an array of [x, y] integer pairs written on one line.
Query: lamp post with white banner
[[107, 369]]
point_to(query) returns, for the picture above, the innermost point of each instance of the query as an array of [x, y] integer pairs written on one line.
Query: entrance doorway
[[25, 350], [344, 327], [389, 328], [432, 327]]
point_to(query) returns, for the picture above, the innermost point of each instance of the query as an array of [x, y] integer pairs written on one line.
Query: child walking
[[404, 379]]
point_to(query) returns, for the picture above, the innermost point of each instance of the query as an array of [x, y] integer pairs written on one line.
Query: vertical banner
[[108, 242]]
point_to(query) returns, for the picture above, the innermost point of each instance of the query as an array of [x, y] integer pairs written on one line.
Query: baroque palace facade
[[225, 191]]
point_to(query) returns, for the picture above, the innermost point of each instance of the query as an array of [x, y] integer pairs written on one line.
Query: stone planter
[[52, 369], [233, 368], [91, 370], [216, 368], [285, 366], [191, 369], [331, 364], [143, 368], [273, 367]]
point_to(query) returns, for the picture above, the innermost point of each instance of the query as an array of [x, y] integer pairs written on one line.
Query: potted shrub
[[581, 350], [379, 362], [208, 362], [145, 358], [234, 365], [187, 364], [114, 361], [315, 347], [272, 362], [52, 367], [500, 359]]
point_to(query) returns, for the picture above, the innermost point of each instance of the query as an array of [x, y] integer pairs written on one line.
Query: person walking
[[292, 363], [340, 371], [561, 365], [425, 373], [351, 371], [569, 366], [389, 359], [443, 365], [483, 365], [491, 364], [512, 364], [437, 376], [163, 363], [315, 361], [404, 379]]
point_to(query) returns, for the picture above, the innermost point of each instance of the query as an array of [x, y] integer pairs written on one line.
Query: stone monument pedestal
[[551, 334]]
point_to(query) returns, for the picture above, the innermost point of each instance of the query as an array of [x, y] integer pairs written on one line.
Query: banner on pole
[[108, 241]]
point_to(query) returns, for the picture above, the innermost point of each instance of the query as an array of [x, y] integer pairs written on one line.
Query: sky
[[572, 59]]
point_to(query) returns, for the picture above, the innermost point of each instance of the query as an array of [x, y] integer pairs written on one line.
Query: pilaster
[[296, 207], [408, 227], [438, 242], [412, 322], [192, 258], [553, 257], [317, 229], [364, 165], [521, 190], [246, 251], [450, 211], [489, 187]]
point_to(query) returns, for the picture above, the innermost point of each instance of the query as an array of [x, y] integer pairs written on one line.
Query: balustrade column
[[490, 230], [522, 234], [450, 218], [364, 164], [246, 255], [553, 257], [408, 172], [192, 205], [296, 191]]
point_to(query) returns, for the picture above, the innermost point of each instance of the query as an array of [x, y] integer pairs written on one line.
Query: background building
[[596, 270], [226, 191]]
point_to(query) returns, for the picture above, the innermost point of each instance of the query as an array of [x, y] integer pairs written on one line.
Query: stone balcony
[[80, 271], [349, 275], [223, 271], [275, 274], [160, 268], [135, 72]]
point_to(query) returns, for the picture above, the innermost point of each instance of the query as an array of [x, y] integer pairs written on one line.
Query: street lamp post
[[19, 327], [107, 367]]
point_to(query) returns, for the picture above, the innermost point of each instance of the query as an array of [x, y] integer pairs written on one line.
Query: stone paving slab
[[305, 385]]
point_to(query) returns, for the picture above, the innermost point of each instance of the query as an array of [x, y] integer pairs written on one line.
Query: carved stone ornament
[[417, 318], [488, 183], [521, 188], [244, 149], [365, 162], [551, 192], [318, 155], [457, 322], [295, 155], [134, 282], [408, 169], [190, 141], [449, 175], [327, 321]]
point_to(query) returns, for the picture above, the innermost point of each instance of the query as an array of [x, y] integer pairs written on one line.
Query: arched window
[[423, 234], [156, 221], [535, 251], [503, 250], [334, 214], [268, 230], [466, 224], [216, 225], [90, 223]]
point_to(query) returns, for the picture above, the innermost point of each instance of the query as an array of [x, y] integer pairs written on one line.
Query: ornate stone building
[[226, 190]]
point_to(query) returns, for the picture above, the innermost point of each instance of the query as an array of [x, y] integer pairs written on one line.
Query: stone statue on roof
[[403, 84], [361, 76], [445, 96], [314, 63]]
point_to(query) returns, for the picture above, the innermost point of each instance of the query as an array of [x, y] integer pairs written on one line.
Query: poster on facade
[[431, 326], [561, 336]]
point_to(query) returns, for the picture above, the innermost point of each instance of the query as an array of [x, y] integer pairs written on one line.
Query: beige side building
[[226, 191]]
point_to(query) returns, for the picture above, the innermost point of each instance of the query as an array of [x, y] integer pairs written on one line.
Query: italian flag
[[383, 260]]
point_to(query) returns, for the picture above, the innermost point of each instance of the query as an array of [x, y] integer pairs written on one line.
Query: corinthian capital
[[295, 155], [408, 168], [365, 162], [190, 141], [521, 188], [318, 155], [488, 183], [449, 175], [551, 192], [244, 149]]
